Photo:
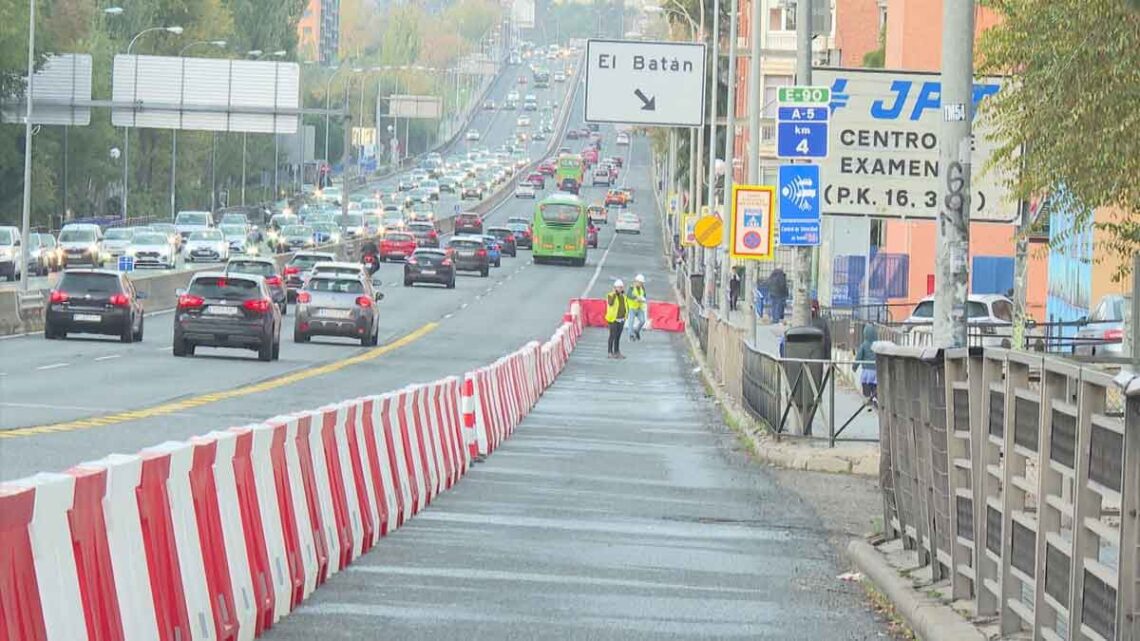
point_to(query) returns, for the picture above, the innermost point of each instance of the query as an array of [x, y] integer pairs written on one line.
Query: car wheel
[[127, 335], [451, 283], [49, 332], [485, 272], [284, 307], [300, 337], [499, 263], [277, 349], [265, 351], [407, 283], [179, 348], [139, 334]]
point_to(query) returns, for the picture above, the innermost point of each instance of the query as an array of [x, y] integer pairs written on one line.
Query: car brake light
[[291, 270], [119, 300], [510, 238], [433, 235], [273, 280], [59, 297], [1115, 334], [303, 297], [481, 252], [412, 260], [190, 301], [258, 305], [446, 262], [364, 301]]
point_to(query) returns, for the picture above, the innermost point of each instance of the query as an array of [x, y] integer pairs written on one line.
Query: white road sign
[[883, 156], [645, 83]]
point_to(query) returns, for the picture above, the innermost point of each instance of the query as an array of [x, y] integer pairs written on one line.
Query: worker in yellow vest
[[637, 305], [617, 308]]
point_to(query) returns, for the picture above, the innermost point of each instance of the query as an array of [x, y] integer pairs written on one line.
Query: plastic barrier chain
[[222, 535]]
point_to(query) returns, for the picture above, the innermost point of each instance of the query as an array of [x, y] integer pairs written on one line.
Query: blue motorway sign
[[799, 191], [801, 233], [801, 139], [818, 113]]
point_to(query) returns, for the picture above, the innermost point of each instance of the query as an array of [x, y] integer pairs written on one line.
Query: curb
[[929, 619], [767, 448]]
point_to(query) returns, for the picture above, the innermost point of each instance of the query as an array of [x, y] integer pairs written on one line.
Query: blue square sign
[[801, 139], [799, 192], [799, 233]]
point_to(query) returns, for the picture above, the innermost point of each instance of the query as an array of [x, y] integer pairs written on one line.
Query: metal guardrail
[[1017, 477]]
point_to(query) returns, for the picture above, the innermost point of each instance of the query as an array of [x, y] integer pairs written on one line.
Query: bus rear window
[[555, 214]]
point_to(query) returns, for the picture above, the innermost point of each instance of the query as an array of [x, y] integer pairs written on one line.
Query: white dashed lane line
[[108, 357], [52, 366]]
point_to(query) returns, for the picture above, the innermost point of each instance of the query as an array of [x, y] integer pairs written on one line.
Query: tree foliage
[[1069, 115]]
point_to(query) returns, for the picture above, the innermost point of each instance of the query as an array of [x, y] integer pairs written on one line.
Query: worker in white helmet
[[637, 306], [617, 308]]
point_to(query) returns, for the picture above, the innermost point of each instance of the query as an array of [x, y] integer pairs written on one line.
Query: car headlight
[[131, 251], [92, 248]]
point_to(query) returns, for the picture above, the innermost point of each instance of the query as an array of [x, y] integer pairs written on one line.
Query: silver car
[[208, 245], [337, 305], [153, 249], [1104, 333], [117, 241]]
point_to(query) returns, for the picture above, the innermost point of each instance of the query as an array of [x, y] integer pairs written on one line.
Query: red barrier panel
[[336, 485], [395, 461], [414, 478], [429, 455], [209, 520], [93, 556], [23, 617], [312, 498], [665, 317], [439, 429], [593, 312], [289, 535], [373, 452], [252, 530], [161, 550], [357, 462]]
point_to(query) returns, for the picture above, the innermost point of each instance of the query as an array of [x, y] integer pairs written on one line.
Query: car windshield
[[47, 240], [164, 227], [1110, 310], [351, 220], [336, 285], [421, 227], [283, 220], [519, 227], [305, 261], [89, 283], [500, 233], [560, 214], [430, 253], [149, 238], [1002, 310], [224, 287], [464, 243], [234, 219], [209, 234], [192, 219], [118, 234], [324, 227], [397, 238], [297, 230], [233, 230], [974, 309], [7, 237], [77, 236], [256, 267]]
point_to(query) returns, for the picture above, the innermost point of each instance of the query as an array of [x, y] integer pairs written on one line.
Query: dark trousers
[[733, 296], [614, 345]]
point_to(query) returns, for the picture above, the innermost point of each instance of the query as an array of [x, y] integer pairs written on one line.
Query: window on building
[[771, 84], [783, 17]]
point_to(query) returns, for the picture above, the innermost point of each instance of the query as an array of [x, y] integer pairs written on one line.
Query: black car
[[267, 269], [227, 310], [429, 266], [94, 301], [298, 266], [506, 238], [524, 238], [468, 254], [425, 233], [468, 223]]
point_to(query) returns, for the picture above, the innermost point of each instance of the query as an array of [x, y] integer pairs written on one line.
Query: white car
[[152, 249], [523, 121], [473, 135], [209, 245], [627, 221], [10, 252], [331, 194], [622, 138], [525, 190], [990, 319], [236, 236], [116, 241], [190, 221]]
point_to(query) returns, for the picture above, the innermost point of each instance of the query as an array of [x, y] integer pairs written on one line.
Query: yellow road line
[[214, 397]]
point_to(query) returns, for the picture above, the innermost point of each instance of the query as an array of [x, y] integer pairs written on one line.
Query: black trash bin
[[805, 379]]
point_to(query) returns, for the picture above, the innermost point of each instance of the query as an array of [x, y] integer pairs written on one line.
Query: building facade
[[318, 32]]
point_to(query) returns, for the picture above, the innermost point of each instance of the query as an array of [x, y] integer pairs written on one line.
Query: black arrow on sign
[[648, 104]]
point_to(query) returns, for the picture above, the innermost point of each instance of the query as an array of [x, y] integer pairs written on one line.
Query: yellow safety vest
[[616, 305], [636, 293]]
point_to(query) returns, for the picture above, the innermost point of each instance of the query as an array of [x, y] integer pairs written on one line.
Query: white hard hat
[[639, 279], [618, 283]]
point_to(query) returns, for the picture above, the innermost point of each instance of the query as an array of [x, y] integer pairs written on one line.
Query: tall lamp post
[[258, 54], [176, 30], [174, 137]]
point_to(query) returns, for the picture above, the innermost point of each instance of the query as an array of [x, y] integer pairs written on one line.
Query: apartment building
[[318, 32]]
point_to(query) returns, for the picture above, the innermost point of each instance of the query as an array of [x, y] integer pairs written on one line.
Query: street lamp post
[[328, 106], [258, 54], [176, 30], [174, 136]]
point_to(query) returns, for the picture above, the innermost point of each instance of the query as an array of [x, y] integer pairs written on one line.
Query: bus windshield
[[560, 214]]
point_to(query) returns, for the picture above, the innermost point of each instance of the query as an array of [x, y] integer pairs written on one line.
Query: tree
[[1069, 116]]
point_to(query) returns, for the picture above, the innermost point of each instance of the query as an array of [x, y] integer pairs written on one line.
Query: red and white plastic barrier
[[222, 535]]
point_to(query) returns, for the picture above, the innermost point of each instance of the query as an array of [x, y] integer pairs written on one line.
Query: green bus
[[568, 173], [560, 230]]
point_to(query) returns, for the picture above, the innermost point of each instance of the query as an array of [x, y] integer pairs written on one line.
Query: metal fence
[[700, 324], [1016, 476]]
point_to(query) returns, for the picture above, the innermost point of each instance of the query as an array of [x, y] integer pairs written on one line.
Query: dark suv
[[469, 254], [227, 310], [267, 269], [468, 223], [506, 238], [94, 301]]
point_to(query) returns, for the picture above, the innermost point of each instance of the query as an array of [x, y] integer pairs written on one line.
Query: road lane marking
[[183, 405], [598, 269], [108, 357], [52, 366]]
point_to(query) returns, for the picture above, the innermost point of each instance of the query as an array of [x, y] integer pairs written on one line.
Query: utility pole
[[729, 152], [1020, 270], [26, 213], [953, 232], [710, 253], [1135, 329], [801, 307], [756, 107]]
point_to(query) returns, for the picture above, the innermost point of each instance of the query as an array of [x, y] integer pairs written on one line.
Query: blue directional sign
[[815, 113], [799, 193], [801, 139]]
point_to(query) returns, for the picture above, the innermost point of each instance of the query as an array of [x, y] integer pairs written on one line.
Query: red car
[[616, 160], [397, 245], [592, 236], [590, 156], [546, 168], [537, 180], [615, 197]]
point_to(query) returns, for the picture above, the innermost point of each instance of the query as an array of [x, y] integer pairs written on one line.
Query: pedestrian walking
[[617, 309], [733, 289], [865, 358], [777, 293], [637, 303]]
